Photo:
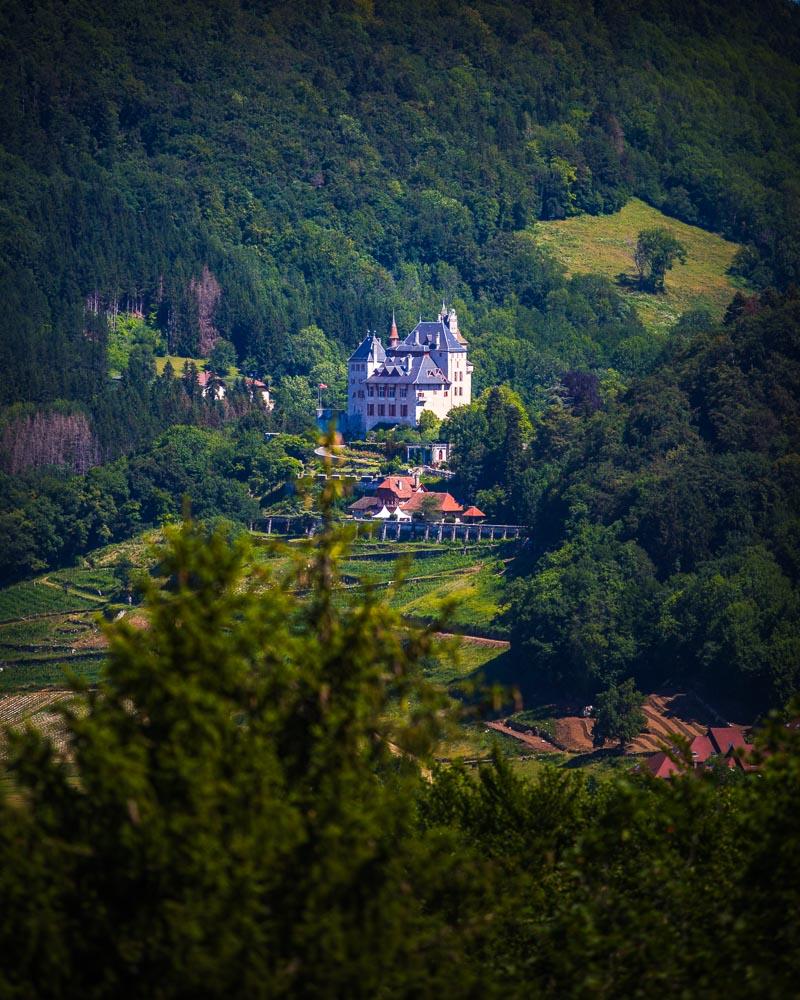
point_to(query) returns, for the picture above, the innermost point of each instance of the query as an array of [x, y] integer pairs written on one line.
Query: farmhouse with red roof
[[727, 742], [405, 495]]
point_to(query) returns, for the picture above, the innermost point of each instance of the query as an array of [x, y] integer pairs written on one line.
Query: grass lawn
[[476, 599], [602, 244], [178, 362]]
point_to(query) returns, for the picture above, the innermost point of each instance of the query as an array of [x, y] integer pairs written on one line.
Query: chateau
[[428, 370]]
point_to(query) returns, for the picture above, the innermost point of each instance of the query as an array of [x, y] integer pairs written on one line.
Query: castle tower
[[394, 336], [367, 357]]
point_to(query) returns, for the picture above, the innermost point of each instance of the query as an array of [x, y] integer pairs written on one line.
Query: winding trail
[[478, 640]]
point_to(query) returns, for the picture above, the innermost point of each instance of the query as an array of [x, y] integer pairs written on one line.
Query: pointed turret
[[394, 336]]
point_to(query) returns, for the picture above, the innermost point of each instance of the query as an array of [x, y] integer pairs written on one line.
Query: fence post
[[269, 526]]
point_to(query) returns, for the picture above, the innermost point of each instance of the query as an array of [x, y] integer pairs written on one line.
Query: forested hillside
[[281, 176], [664, 521], [245, 171]]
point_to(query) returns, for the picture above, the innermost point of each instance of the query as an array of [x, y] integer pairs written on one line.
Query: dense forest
[[248, 170], [664, 520], [249, 802], [279, 177], [242, 814]]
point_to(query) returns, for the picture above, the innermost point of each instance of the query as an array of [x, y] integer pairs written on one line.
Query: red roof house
[[210, 384], [365, 505], [661, 765], [446, 503], [701, 749], [396, 489], [726, 738], [472, 514]]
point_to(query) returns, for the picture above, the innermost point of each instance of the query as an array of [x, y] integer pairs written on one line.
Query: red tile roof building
[[407, 494], [661, 765], [726, 738], [396, 489], [718, 741], [445, 503]]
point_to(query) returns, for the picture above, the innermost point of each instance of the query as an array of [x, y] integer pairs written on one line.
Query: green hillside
[[602, 244], [250, 172]]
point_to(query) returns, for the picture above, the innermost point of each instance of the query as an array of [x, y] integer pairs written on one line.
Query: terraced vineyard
[[469, 580], [41, 597], [50, 626]]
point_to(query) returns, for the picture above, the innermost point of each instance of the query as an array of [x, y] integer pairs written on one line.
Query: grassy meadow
[[603, 244]]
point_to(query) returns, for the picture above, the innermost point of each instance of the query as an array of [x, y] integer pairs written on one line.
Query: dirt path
[[534, 742], [75, 591], [478, 640], [663, 724], [575, 732]]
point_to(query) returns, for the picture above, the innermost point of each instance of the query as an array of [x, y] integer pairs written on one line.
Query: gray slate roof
[[421, 371], [426, 333], [369, 346]]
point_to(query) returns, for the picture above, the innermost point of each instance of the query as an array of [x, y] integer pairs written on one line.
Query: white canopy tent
[[382, 515]]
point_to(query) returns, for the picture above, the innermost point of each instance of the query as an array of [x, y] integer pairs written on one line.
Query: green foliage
[[655, 253], [582, 617], [39, 598], [222, 357], [429, 426], [296, 404], [178, 168], [243, 811], [50, 518], [489, 439], [618, 713], [130, 330], [664, 525], [238, 745]]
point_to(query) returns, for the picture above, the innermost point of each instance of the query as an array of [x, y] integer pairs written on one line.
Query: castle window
[[403, 391], [391, 410], [370, 409], [381, 391], [391, 391], [372, 390], [403, 409], [381, 410]]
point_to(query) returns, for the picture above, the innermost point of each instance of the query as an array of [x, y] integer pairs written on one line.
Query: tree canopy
[[227, 171], [242, 811], [618, 713], [655, 253]]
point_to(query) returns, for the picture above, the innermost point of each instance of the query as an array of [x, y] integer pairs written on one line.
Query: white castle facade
[[428, 371]]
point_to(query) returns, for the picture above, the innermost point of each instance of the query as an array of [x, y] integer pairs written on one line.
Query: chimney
[[415, 479]]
